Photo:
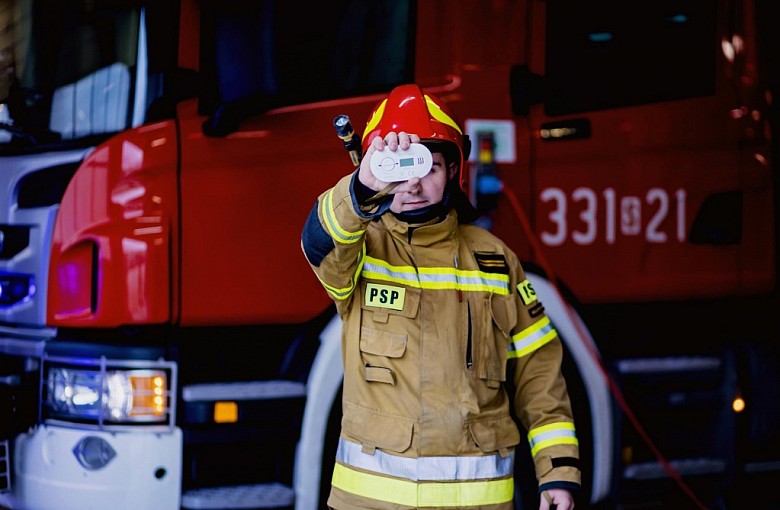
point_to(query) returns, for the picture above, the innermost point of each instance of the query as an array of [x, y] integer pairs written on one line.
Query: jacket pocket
[[504, 313], [375, 430], [382, 343], [377, 350], [492, 322], [379, 374], [495, 434]]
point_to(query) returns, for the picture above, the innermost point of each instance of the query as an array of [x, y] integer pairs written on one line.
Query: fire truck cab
[[163, 342]]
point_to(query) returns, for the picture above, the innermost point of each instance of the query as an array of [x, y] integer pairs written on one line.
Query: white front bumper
[[144, 474]]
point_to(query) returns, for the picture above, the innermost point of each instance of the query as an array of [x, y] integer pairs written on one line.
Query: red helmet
[[408, 109]]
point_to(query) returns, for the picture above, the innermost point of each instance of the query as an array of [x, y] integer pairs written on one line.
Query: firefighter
[[441, 328]]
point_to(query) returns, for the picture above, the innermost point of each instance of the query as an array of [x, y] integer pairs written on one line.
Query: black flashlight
[[351, 140]]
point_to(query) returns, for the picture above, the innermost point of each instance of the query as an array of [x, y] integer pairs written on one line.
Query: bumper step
[[685, 467], [272, 495], [5, 467]]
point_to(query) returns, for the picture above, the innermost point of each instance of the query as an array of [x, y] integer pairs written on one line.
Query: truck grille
[[13, 239], [28, 208]]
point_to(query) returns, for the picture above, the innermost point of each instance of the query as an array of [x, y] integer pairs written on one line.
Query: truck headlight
[[112, 395], [15, 287]]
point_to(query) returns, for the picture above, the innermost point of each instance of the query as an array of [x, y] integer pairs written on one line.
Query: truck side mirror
[[229, 115], [176, 85], [525, 89]]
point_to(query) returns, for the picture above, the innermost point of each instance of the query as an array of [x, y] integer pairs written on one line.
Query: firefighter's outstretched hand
[[391, 142], [556, 499]]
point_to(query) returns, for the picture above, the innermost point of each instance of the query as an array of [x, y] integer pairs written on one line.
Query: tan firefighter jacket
[[436, 319]]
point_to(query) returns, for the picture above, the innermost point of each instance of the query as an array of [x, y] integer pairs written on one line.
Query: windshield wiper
[[20, 136]]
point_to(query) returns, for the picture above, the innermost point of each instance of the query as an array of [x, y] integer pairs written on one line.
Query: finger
[[414, 138], [377, 143], [404, 140], [391, 139], [545, 501]]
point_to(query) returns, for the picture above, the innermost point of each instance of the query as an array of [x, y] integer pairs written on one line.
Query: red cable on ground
[[614, 389]]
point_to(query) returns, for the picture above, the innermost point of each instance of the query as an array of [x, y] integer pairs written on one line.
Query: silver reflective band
[[552, 434], [559, 433], [426, 468]]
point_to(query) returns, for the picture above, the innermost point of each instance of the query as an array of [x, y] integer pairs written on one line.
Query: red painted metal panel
[[111, 262]]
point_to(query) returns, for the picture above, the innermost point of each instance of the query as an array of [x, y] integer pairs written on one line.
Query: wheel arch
[[581, 347], [322, 392]]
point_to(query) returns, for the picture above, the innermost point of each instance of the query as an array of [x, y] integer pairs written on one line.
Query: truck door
[[649, 160], [260, 146]]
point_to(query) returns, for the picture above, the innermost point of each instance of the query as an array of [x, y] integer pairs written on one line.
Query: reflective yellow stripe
[[337, 293], [439, 114], [531, 338], [437, 278], [375, 118], [552, 434], [334, 228], [344, 293], [426, 494]]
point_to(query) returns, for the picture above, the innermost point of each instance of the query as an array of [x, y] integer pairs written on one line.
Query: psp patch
[[385, 296], [491, 263], [526, 291]]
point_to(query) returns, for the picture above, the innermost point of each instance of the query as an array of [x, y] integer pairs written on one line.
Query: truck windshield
[[613, 54], [68, 71], [265, 54]]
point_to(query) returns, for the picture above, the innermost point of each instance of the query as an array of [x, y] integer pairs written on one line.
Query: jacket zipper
[[469, 360]]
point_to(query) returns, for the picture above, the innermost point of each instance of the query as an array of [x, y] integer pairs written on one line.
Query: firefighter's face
[[426, 191]]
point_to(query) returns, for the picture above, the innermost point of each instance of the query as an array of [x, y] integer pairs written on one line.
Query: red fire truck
[[163, 343]]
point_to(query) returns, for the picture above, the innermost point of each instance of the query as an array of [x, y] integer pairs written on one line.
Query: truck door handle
[[565, 130], [9, 380]]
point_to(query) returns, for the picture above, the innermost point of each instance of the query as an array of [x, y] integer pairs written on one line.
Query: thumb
[[546, 501]]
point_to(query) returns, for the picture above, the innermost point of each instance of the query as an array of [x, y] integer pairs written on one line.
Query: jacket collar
[[424, 234]]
